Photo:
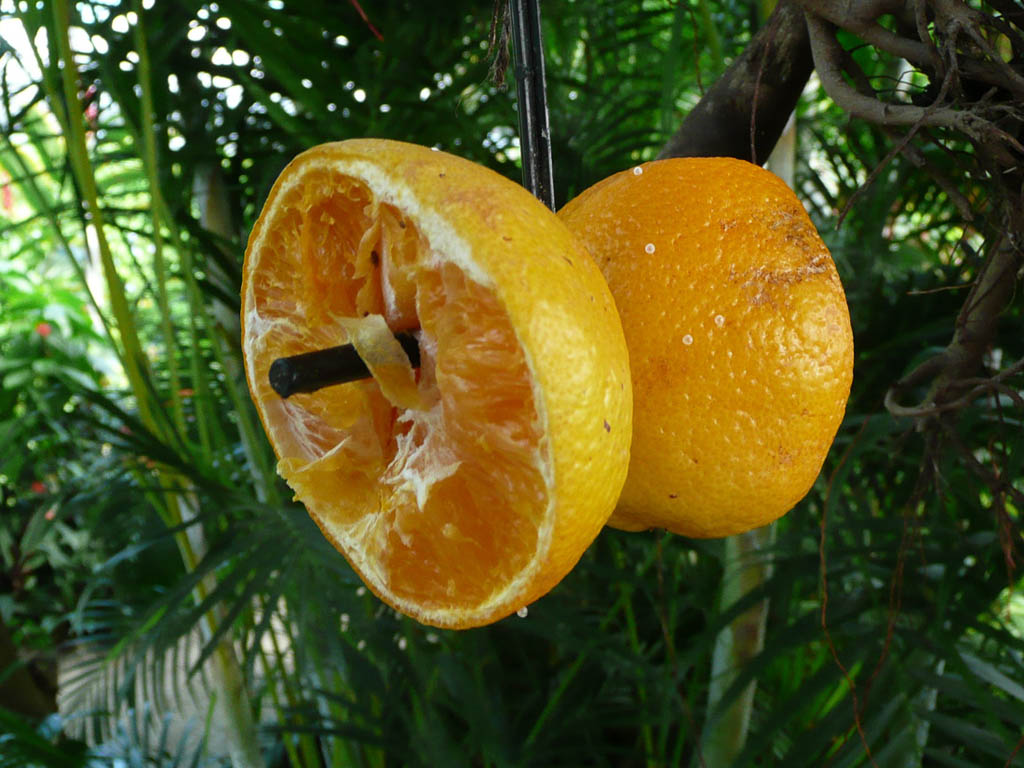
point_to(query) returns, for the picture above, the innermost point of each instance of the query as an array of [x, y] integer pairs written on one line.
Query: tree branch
[[976, 327], [860, 18], [828, 62], [944, 39], [760, 88], [953, 16]]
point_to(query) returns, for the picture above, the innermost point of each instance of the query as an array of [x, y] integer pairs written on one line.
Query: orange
[[465, 489], [739, 339]]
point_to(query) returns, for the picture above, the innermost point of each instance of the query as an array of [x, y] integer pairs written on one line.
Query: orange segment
[[467, 488]]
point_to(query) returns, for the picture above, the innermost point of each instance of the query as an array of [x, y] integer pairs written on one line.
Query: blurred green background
[[163, 602]]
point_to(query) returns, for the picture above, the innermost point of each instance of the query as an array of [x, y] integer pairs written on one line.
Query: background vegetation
[[197, 616]]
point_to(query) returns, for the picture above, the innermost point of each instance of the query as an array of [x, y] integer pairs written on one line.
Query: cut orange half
[[465, 489]]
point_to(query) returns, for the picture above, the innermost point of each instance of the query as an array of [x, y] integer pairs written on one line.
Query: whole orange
[[466, 488], [739, 339]]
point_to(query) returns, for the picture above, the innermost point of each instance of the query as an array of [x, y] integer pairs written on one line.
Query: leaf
[[993, 676]]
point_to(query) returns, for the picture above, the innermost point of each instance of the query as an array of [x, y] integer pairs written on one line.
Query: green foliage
[[25, 745], [173, 547], [142, 742]]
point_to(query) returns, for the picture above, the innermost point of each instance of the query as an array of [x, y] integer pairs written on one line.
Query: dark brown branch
[[953, 16], [902, 143], [860, 18], [942, 38], [991, 479], [921, 26], [762, 85], [976, 324], [975, 329], [979, 386], [828, 62], [916, 156]]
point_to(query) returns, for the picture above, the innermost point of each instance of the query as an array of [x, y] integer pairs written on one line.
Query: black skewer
[[532, 101], [311, 371]]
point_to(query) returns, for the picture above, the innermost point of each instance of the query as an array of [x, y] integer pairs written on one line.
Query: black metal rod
[[311, 371], [532, 101]]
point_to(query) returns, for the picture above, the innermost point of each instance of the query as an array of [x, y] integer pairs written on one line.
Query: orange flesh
[[444, 501]]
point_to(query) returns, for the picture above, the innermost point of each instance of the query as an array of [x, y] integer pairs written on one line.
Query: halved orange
[[465, 489]]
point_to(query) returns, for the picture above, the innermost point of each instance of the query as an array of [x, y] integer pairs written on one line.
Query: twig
[[823, 568], [975, 327], [917, 157], [860, 18], [972, 122], [828, 62], [979, 386], [497, 43], [366, 19], [955, 14], [900, 145], [921, 22], [992, 480]]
